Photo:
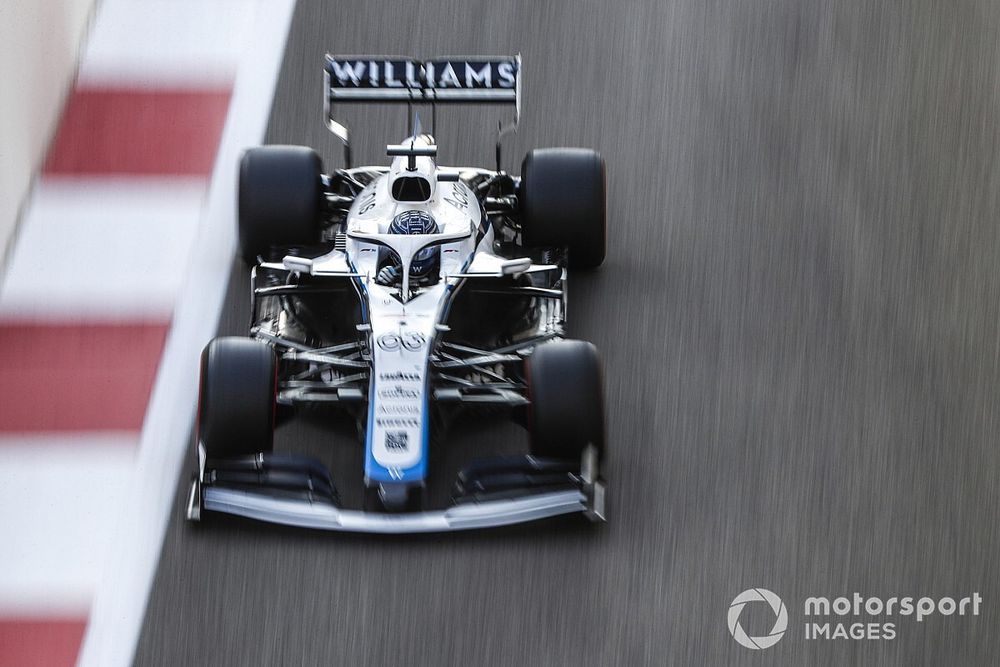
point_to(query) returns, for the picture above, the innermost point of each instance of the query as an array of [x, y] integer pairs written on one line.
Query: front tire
[[565, 390], [236, 406], [563, 203], [280, 199]]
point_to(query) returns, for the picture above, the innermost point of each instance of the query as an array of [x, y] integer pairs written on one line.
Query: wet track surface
[[799, 321]]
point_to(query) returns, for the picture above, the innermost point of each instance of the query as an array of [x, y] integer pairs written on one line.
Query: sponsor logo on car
[[411, 340], [398, 392], [400, 375], [397, 422], [399, 440], [370, 73], [398, 409]]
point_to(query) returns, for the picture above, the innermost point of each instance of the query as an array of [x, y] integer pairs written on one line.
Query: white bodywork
[[404, 324]]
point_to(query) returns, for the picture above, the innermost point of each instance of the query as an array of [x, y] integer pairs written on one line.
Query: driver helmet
[[418, 222]]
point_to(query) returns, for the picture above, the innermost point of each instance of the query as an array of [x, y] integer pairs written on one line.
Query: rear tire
[[565, 390], [236, 407], [563, 203], [280, 199]]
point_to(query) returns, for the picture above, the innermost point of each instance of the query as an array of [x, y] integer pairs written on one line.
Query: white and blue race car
[[403, 294]]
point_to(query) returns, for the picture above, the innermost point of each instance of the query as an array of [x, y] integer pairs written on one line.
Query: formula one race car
[[401, 295]]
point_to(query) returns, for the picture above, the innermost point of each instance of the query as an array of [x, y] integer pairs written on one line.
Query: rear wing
[[402, 80]]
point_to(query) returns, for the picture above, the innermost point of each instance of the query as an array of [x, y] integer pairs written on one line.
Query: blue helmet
[[418, 222]]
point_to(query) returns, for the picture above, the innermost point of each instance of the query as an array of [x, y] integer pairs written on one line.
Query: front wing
[[495, 494], [326, 516]]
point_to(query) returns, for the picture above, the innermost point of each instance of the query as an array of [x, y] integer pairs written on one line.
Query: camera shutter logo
[[780, 622]]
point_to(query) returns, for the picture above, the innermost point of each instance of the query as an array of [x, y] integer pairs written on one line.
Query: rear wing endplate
[[399, 79]]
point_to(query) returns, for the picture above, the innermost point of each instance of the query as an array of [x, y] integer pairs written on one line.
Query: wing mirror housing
[[513, 267], [297, 264]]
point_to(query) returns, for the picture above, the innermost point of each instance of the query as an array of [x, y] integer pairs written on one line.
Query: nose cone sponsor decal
[[398, 401]]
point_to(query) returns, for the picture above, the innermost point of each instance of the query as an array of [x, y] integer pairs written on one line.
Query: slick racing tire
[[566, 399], [236, 405], [280, 199], [563, 203]]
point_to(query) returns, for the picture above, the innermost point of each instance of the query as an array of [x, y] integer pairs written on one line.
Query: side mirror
[[512, 267], [297, 264]]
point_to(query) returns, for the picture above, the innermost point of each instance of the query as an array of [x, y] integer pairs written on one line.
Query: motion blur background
[[798, 317], [41, 41]]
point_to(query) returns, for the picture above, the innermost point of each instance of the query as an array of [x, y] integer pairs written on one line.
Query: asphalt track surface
[[798, 317]]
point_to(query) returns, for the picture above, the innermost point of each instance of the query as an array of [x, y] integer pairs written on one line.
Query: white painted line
[[119, 606], [100, 248], [59, 500], [160, 43]]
